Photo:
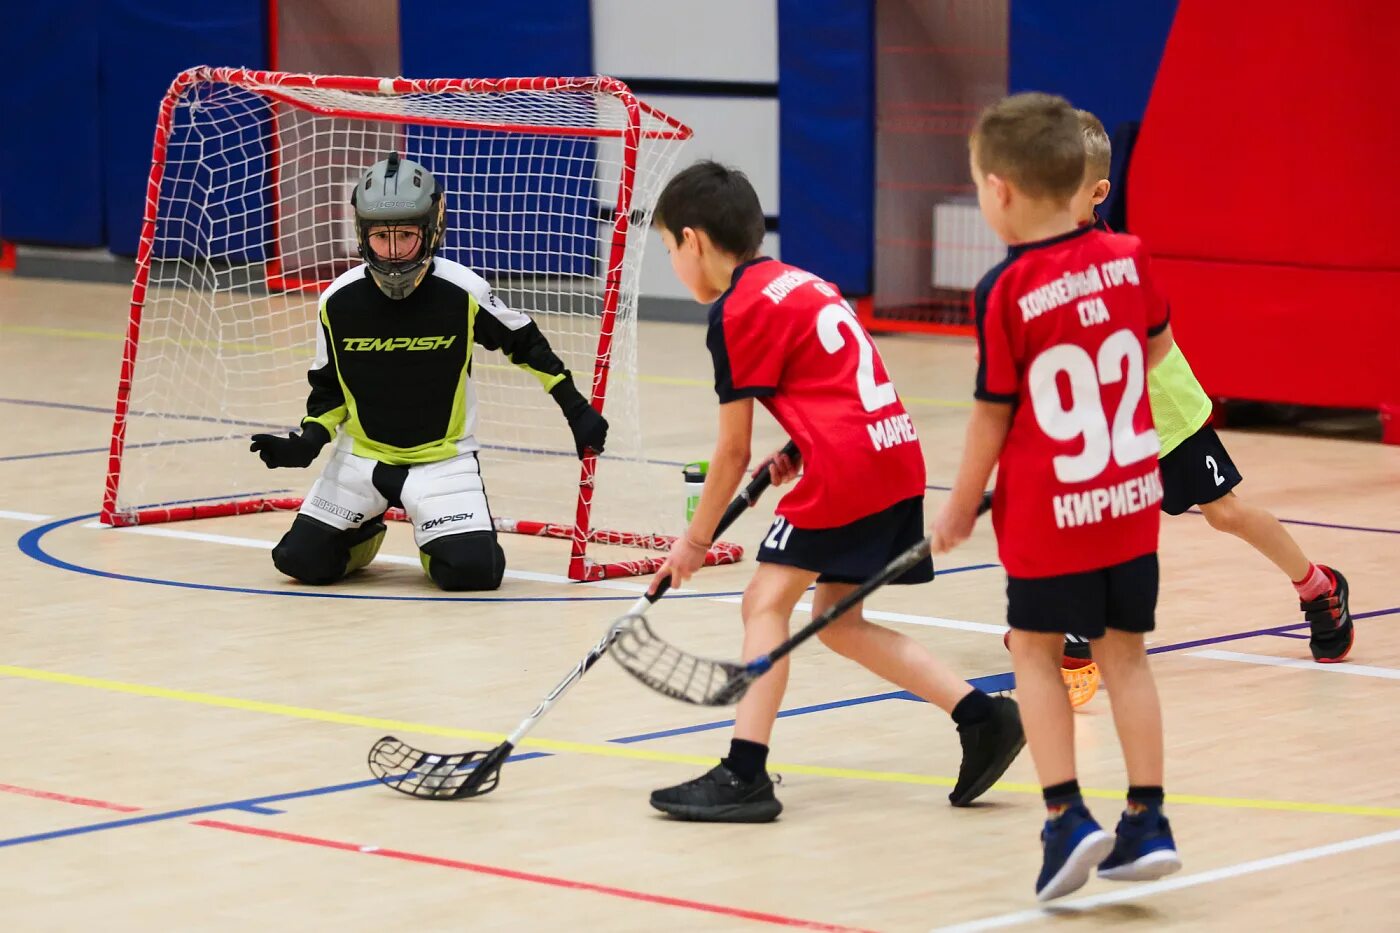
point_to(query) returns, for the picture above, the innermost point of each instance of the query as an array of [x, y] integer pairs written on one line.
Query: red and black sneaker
[[1330, 618], [1077, 652]]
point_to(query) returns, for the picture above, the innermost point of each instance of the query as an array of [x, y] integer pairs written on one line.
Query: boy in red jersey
[[786, 337], [1068, 326]]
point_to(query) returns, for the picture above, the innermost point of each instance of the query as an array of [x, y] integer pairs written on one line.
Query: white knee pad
[[344, 496], [446, 498]]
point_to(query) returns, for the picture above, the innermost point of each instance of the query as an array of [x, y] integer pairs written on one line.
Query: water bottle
[[694, 474]]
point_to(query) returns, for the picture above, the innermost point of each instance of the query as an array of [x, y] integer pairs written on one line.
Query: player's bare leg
[[989, 729], [1323, 594], [892, 655], [1046, 713], [1143, 845], [1261, 530], [1137, 713], [738, 789], [768, 603]]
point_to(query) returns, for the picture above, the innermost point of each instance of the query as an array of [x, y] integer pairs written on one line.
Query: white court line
[[1080, 905], [931, 621], [24, 516], [883, 616], [526, 575], [1356, 670]]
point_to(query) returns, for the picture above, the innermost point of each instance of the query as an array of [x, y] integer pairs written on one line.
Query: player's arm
[[996, 394], [986, 435], [498, 327], [1159, 345], [325, 410], [1159, 316]]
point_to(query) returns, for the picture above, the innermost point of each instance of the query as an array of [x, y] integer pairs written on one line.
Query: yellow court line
[[60, 332], [637, 754]]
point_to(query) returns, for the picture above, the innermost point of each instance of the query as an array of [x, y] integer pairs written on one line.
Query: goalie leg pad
[[470, 561], [446, 498], [315, 553], [345, 495]]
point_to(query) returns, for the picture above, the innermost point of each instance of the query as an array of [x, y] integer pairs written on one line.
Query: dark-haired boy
[[785, 337]]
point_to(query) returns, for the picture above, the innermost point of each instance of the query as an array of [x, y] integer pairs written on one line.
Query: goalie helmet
[[398, 193]]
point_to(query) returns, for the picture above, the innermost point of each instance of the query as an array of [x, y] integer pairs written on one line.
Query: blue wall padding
[[214, 196], [522, 204], [826, 101], [1101, 54], [517, 204], [143, 46], [50, 150], [496, 38]]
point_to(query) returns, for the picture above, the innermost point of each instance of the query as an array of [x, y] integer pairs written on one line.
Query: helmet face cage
[[397, 193]]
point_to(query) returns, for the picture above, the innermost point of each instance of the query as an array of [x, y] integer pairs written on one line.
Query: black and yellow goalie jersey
[[395, 375]]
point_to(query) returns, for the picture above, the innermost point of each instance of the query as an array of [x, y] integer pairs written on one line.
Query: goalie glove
[[589, 427], [294, 450]]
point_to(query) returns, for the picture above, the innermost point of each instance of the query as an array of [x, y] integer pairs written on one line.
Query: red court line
[[65, 798], [533, 878]]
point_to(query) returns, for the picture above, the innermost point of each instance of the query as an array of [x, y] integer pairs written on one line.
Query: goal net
[[549, 182]]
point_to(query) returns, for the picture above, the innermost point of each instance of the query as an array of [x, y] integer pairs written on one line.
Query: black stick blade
[[428, 775], [672, 672]]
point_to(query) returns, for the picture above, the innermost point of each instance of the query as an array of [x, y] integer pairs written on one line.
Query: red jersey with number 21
[[1062, 328], [786, 338]]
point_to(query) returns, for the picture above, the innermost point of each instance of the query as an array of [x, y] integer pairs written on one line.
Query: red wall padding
[[1287, 334], [1272, 135], [1266, 181]]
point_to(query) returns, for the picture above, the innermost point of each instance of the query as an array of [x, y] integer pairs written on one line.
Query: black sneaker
[[988, 747], [1330, 618], [720, 796]]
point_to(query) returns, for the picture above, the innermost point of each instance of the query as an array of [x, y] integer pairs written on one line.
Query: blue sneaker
[[1074, 844], [1143, 851]]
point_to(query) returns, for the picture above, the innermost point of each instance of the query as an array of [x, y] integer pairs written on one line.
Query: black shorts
[[1122, 597], [1197, 471], [851, 553]]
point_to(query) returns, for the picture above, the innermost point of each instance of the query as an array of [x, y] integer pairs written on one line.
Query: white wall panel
[[717, 40], [742, 132], [658, 281]]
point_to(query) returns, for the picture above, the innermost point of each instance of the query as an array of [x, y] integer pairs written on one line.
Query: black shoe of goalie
[[988, 749], [720, 796]]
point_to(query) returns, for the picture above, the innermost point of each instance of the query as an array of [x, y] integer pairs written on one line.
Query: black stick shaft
[[895, 569]]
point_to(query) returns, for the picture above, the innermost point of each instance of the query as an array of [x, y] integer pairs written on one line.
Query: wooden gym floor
[[184, 737]]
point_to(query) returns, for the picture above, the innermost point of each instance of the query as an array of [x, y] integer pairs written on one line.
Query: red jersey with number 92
[[1062, 328], [786, 338]]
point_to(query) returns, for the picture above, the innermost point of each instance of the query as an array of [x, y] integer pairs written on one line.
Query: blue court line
[[135, 413], [106, 449], [992, 683], [31, 545], [1335, 527], [1276, 630]]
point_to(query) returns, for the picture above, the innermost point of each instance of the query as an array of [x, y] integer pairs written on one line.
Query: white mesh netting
[[252, 218]]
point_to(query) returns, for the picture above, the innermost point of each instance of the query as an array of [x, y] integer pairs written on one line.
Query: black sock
[[746, 759], [1145, 798], [1060, 797], [972, 709]]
